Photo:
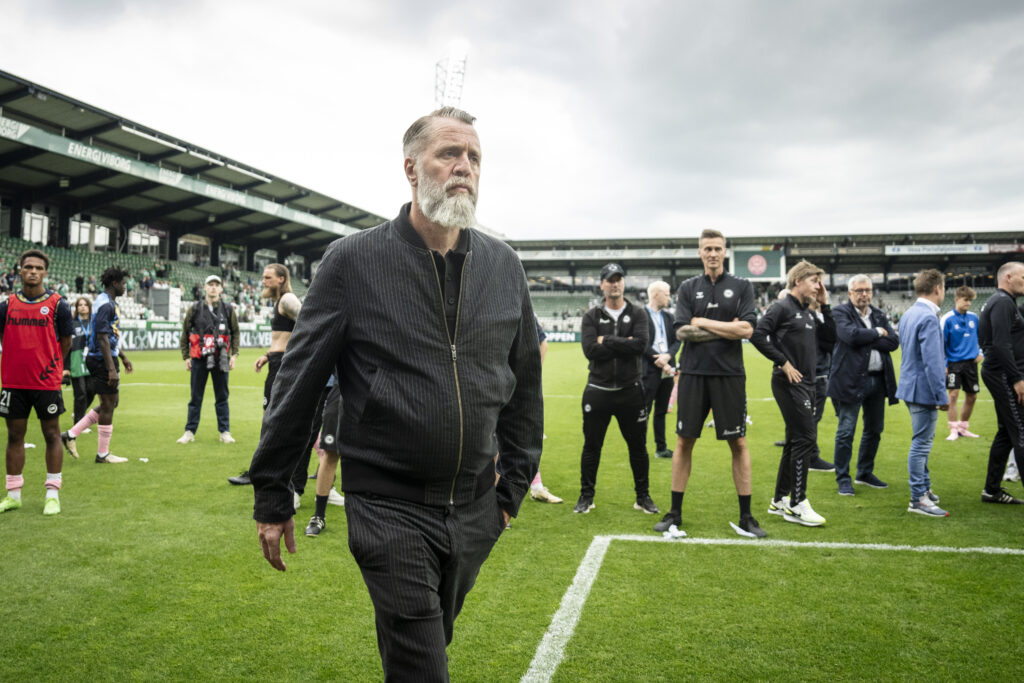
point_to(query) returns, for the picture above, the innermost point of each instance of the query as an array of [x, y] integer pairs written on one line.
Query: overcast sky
[[597, 118]]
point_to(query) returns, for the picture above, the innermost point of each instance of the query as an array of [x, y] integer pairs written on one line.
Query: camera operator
[[209, 346]]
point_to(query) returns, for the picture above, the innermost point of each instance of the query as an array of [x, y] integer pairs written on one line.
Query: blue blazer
[[923, 364]]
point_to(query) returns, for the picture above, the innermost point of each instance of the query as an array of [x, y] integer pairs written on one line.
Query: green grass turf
[[152, 571]]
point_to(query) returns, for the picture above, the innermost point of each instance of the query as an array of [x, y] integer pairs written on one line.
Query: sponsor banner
[[812, 251], [934, 249], [58, 144], [153, 335], [760, 264], [859, 251], [1005, 248], [558, 336]]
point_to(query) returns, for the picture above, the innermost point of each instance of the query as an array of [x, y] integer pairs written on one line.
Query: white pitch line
[[552, 647]]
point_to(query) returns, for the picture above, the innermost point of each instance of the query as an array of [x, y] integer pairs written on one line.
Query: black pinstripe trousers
[[418, 563]]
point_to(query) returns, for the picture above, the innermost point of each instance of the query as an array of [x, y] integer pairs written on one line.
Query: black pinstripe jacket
[[425, 413]]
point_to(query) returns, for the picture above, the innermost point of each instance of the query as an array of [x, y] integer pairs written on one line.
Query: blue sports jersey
[[960, 336], [106, 320]]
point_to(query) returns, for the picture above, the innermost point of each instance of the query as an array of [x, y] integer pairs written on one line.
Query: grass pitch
[[152, 571]]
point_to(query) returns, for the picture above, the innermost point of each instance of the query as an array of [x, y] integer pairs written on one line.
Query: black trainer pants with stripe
[[418, 563], [1010, 417], [797, 402], [628, 407]]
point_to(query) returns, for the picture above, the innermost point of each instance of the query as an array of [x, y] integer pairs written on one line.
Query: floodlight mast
[[449, 75]]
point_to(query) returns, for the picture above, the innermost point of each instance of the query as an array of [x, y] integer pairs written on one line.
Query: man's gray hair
[[1006, 269], [419, 131], [859, 277], [655, 286]]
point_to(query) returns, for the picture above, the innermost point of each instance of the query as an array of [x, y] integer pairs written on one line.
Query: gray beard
[[455, 212]]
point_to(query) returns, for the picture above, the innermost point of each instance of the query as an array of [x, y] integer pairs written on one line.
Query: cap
[[214, 278], [612, 269]]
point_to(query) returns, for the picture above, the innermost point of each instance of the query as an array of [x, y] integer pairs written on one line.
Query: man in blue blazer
[[659, 362], [862, 375], [922, 385]]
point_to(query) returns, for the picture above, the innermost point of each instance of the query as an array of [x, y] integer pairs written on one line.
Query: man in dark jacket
[[862, 375], [1001, 335], [659, 362], [209, 347], [435, 382], [614, 337]]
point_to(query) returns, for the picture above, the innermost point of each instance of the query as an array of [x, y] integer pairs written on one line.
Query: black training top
[[790, 331], [1001, 337], [726, 299], [280, 322]]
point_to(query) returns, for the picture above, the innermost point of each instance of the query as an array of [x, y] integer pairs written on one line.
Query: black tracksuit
[[1001, 337], [614, 388], [789, 331]]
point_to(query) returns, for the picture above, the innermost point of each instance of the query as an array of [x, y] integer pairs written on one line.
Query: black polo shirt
[[726, 299], [449, 266]]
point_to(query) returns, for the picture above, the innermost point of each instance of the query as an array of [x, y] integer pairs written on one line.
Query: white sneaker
[[335, 498], [187, 437], [541, 494], [778, 507], [803, 513], [225, 437], [298, 501]]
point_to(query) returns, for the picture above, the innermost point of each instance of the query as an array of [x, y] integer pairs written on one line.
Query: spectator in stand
[[92, 288], [79, 283]]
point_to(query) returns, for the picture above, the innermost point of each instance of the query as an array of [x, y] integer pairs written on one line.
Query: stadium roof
[[60, 151]]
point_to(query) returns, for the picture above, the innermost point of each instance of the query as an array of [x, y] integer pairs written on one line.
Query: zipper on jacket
[[455, 370]]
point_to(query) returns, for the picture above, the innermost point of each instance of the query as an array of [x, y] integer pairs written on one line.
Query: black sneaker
[[316, 525], [668, 520], [819, 464], [584, 505], [646, 504], [872, 481], [780, 444], [69, 444], [241, 480], [1001, 496], [749, 527], [663, 453]]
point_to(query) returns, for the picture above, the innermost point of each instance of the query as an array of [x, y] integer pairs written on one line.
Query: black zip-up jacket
[[425, 410], [1001, 337], [789, 331], [615, 362]]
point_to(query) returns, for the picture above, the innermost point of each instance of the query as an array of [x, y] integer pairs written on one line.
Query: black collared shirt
[[449, 266]]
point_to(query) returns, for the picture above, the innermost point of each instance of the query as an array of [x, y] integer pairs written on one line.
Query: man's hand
[[506, 516], [600, 339], [270, 541], [231, 363], [112, 377], [792, 374], [128, 367], [821, 296], [188, 363], [944, 407], [1018, 387], [261, 361]]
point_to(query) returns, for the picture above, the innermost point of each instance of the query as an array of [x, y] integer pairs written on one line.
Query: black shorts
[[724, 397], [963, 374], [97, 383], [332, 420], [273, 365], [17, 404]]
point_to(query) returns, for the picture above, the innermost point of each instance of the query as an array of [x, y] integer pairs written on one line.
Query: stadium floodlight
[[153, 138], [251, 174], [205, 157], [450, 73]]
